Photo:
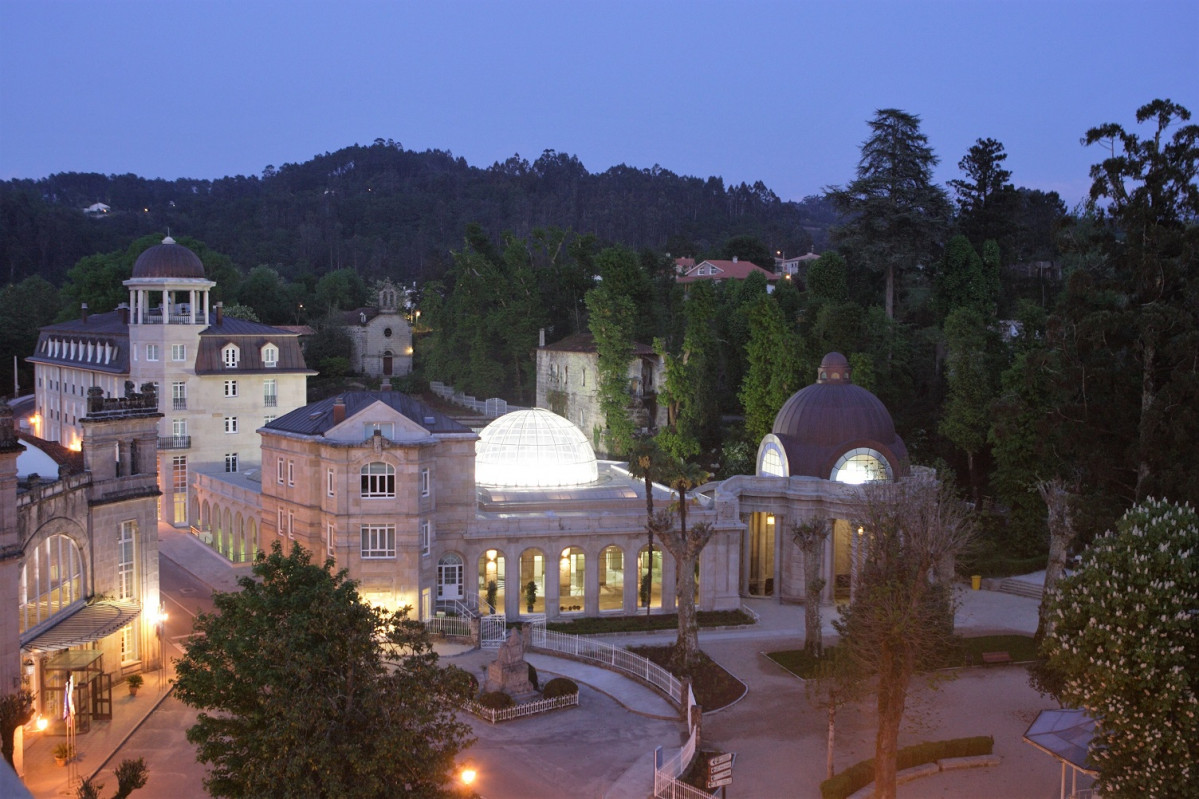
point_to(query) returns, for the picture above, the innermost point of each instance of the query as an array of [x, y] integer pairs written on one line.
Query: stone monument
[[509, 672]]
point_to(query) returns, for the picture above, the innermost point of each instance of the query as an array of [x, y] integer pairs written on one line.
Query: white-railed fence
[[492, 408], [523, 709], [458, 626]]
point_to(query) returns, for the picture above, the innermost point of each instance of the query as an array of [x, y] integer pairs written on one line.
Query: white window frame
[[378, 541], [426, 482], [330, 484], [231, 462], [426, 536], [377, 483], [291, 524], [291, 472], [230, 425], [230, 356], [279, 471], [126, 560], [151, 352], [230, 388], [270, 356], [279, 527], [330, 538], [178, 352]]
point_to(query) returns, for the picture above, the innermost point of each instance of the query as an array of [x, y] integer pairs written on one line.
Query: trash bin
[[976, 581]]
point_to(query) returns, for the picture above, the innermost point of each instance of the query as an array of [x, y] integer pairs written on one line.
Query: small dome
[[533, 447], [168, 260], [826, 420]]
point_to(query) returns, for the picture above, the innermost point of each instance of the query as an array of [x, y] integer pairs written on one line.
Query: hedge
[[559, 686], [859, 775]]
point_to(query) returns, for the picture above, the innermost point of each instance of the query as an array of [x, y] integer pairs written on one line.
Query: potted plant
[[134, 681], [531, 594], [63, 752], [492, 594]]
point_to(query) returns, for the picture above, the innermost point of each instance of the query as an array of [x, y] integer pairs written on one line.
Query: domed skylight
[[534, 447]]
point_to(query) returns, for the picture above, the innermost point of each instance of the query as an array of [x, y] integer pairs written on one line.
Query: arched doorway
[[387, 359], [532, 570], [449, 578], [491, 582], [572, 572], [649, 593], [611, 579]]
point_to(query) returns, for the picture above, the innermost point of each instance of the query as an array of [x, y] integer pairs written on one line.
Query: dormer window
[[230, 355], [270, 356]]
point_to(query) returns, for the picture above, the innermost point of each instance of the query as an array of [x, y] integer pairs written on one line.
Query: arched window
[[611, 579], [861, 465], [230, 355], [772, 462], [491, 581], [51, 580], [572, 572], [378, 480], [270, 356], [532, 570]]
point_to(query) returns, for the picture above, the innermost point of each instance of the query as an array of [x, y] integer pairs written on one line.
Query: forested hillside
[[383, 210]]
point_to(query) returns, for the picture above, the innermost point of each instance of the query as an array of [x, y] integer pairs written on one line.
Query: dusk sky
[[772, 91]]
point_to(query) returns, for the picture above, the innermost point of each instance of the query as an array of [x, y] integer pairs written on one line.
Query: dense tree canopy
[[1124, 646], [306, 691]]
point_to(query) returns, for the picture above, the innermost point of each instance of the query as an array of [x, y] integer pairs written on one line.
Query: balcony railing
[[270, 400], [174, 442], [179, 403]]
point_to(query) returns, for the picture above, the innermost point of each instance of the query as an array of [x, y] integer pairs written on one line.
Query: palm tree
[[649, 463]]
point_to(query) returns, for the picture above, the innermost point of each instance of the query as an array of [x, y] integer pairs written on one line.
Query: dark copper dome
[[168, 260], [827, 419]]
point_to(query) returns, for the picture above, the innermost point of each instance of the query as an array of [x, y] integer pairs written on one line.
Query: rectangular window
[[270, 356], [270, 393], [378, 541], [178, 352], [279, 472], [151, 352], [329, 483], [179, 395], [178, 428], [129, 643], [179, 472], [378, 480], [426, 535], [229, 357], [282, 530], [425, 485], [330, 539], [230, 424], [291, 524], [230, 388], [268, 419], [125, 589], [231, 461], [291, 473]]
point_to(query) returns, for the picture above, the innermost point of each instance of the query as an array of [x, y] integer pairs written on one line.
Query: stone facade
[[380, 335], [568, 385], [81, 545]]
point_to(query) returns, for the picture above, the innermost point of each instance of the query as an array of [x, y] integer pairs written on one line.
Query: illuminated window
[[378, 480], [772, 462], [861, 465], [51, 580]]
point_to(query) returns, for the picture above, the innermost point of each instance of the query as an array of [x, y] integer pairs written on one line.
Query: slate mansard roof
[[315, 419], [99, 343], [250, 338]]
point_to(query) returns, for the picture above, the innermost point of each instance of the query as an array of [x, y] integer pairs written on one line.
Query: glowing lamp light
[[42, 723], [468, 774], [491, 554], [770, 518]]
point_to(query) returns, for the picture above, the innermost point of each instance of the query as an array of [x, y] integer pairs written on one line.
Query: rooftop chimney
[[220, 312], [541, 337], [734, 259], [83, 312], [123, 312], [339, 406]]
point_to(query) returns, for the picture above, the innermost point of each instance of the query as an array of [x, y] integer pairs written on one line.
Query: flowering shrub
[[1125, 642]]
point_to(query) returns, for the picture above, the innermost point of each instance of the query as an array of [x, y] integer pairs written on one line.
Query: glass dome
[[533, 448]]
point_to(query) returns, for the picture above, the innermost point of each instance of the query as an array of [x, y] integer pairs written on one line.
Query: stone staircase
[[1018, 587]]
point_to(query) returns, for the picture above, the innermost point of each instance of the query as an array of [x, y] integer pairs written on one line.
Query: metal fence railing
[[523, 709], [613, 657], [458, 626]]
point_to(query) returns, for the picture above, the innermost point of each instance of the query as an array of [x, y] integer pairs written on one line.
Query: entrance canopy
[[89, 623], [1065, 734]]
